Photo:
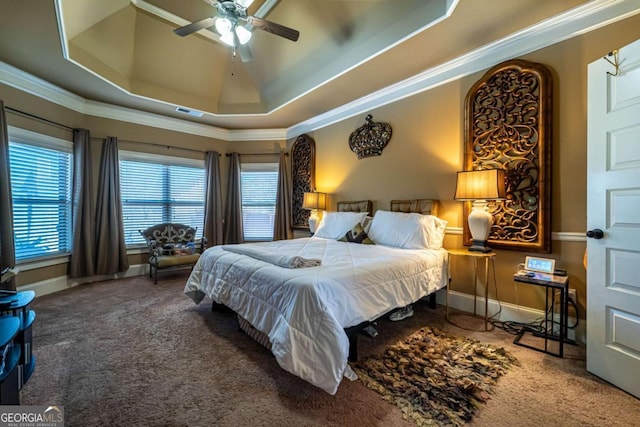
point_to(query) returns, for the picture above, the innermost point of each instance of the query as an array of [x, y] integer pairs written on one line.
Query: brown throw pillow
[[356, 235]]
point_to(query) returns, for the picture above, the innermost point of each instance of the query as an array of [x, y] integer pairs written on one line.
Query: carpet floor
[[130, 353]]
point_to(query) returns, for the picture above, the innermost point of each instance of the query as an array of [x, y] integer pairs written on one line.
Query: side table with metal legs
[[489, 258]]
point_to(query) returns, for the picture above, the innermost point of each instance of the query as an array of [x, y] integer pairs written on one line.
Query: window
[[157, 189], [41, 175], [259, 186]]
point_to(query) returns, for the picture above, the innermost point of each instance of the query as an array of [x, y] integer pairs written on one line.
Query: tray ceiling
[[131, 44], [124, 53]]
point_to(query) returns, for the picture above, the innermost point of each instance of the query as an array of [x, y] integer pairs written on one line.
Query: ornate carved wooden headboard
[[422, 206]]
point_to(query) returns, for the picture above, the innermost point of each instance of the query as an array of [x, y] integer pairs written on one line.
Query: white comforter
[[304, 310]]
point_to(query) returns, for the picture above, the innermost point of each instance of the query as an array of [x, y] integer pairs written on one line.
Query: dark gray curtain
[[282, 226], [233, 232], [83, 252], [111, 251], [7, 245], [213, 200]]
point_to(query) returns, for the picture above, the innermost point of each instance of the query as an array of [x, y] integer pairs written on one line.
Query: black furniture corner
[[353, 331], [16, 358]]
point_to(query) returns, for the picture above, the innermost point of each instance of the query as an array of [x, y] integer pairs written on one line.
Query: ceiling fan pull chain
[[233, 61]]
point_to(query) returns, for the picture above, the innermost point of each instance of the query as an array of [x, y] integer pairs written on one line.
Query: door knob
[[596, 233]]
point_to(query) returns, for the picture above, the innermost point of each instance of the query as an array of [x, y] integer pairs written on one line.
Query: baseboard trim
[[508, 313], [61, 283]]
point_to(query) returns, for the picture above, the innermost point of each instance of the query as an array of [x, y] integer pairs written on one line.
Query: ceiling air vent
[[189, 112]]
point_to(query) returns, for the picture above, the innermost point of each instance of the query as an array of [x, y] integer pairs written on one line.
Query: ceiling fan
[[234, 25]]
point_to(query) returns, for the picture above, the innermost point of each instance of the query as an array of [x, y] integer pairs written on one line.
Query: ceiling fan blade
[[245, 52], [243, 49], [273, 28], [195, 26]]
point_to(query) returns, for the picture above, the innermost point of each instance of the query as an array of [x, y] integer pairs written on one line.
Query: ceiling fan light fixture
[[223, 26], [227, 39], [243, 34], [244, 3], [230, 14]]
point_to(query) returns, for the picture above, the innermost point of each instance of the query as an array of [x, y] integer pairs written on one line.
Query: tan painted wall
[[427, 149], [421, 160], [130, 136]]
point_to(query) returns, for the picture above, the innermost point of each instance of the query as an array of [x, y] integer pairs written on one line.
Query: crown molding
[[108, 111], [258, 135], [25, 82], [574, 22]]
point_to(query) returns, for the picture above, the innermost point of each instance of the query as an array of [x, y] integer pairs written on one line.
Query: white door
[[613, 206]]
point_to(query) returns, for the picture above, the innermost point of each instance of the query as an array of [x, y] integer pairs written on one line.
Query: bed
[[305, 295]]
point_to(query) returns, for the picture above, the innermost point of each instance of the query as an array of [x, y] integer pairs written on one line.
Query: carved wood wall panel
[[508, 126], [303, 164]]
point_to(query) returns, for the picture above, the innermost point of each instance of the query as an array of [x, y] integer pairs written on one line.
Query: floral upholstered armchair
[[172, 245]]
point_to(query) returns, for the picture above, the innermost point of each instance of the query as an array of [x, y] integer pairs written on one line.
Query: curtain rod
[[42, 119], [168, 147], [257, 154]]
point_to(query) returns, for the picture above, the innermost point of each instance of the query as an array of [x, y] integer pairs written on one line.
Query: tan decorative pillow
[[357, 235]]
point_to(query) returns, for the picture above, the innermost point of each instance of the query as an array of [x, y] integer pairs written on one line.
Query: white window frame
[[166, 160], [249, 234], [24, 136]]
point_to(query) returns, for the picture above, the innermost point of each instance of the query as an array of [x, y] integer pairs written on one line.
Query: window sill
[[135, 250], [66, 258], [43, 262]]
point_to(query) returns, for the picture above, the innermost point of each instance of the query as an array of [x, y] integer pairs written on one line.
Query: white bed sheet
[[304, 310]]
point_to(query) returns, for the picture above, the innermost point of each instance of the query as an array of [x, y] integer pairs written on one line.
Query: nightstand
[[551, 284], [489, 259]]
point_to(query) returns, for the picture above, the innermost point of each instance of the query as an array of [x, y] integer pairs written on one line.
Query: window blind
[[259, 186], [158, 191], [41, 194]]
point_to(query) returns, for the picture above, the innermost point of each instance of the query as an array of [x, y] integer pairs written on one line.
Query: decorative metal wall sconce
[[303, 173], [508, 126], [370, 138]]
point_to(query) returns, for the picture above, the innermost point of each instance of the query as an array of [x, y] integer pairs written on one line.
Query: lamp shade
[[314, 201], [480, 185]]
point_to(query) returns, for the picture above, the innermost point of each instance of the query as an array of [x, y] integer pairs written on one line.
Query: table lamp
[[479, 186], [314, 202]]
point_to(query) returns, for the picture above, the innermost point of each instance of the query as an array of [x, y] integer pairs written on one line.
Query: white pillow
[[437, 228], [335, 225], [407, 230]]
